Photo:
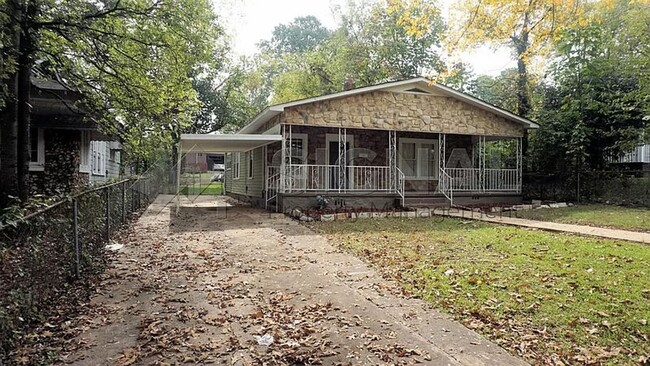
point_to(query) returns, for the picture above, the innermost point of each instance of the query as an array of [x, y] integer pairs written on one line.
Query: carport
[[218, 144]]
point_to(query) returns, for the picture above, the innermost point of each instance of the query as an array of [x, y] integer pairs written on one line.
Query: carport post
[[178, 177]]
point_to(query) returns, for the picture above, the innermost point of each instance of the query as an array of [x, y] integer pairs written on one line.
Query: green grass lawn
[[198, 178], [214, 188], [547, 297], [594, 215]]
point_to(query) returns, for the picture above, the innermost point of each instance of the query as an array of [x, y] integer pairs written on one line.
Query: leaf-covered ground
[[203, 287], [637, 219], [550, 298]]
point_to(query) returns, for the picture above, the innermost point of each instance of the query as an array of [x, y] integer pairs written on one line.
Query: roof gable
[[420, 84]]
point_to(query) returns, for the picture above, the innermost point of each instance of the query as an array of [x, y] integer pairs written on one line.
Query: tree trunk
[[523, 97], [24, 111], [9, 142], [9, 116], [174, 160]]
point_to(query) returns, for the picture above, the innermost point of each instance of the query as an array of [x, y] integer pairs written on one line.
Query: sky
[[249, 21]]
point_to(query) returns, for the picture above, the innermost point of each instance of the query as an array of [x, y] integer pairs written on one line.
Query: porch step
[[426, 201]]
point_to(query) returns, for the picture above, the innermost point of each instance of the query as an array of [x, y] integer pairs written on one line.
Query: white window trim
[[305, 148], [85, 165], [332, 137], [418, 145], [39, 165], [236, 165], [250, 162]]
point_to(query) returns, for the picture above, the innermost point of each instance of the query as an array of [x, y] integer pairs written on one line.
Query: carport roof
[[224, 143]]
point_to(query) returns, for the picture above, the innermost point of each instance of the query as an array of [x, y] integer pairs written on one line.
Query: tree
[[302, 35], [224, 103], [373, 42], [595, 107], [388, 40], [132, 61], [527, 27], [500, 90]]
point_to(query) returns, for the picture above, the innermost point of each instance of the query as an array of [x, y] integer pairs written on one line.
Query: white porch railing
[[492, 180], [326, 178], [462, 179], [312, 177], [501, 180]]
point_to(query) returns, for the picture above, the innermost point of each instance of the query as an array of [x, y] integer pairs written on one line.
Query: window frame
[[250, 163], [418, 147], [39, 164], [305, 147], [236, 164], [85, 163], [98, 153]]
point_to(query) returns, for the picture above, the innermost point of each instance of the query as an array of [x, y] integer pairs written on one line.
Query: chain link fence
[[47, 256]]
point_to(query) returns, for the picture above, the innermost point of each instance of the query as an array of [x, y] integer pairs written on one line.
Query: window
[[419, 158], [298, 148], [236, 160], [84, 152], [98, 154], [36, 150], [250, 164]]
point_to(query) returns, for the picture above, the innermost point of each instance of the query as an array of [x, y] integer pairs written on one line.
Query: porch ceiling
[[225, 143]]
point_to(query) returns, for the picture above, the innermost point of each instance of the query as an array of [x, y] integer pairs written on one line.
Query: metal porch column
[[392, 160], [520, 164], [342, 159]]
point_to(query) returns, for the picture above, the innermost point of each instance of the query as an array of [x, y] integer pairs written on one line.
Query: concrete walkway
[[219, 282], [502, 218]]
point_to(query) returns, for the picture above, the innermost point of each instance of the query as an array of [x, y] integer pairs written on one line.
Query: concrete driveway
[[228, 284]]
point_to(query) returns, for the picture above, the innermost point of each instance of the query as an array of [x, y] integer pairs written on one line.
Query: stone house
[[403, 143], [66, 149]]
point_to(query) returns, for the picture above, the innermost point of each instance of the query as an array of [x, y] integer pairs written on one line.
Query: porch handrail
[[272, 185], [445, 185], [401, 179]]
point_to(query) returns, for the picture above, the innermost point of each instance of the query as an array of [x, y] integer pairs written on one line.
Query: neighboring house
[[202, 162], [196, 162], [409, 143], [67, 150], [637, 159], [105, 161], [216, 162]]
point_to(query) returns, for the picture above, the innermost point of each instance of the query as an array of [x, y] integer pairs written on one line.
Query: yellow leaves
[[531, 26], [415, 16]]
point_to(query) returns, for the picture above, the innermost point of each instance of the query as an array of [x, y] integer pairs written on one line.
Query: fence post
[[133, 197], [123, 203], [75, 232], [108, 214], [137, 205], [146, 193], [578, 190]]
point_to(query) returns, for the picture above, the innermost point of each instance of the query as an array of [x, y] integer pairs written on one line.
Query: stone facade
[[61, 171], [402, 112]]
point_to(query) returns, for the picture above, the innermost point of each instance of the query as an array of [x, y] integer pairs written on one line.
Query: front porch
[[344, 162]]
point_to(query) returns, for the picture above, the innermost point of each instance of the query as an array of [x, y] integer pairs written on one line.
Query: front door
[[334, 176]]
